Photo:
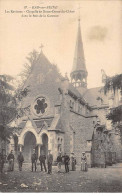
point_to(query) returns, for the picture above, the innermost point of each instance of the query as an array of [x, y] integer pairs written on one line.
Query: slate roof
[[74, 90], [42, 81], [92, 94], [56, 123], [39, 123], [53, 123], [79, 61], [22, 124]]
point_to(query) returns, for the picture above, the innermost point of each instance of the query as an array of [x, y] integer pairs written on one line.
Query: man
[[84, 162], [73, 162], [66, 162], [49, 162], [11, 161], [34, 160], [20, 159], [59, 161], [1, 162], [42, 159]]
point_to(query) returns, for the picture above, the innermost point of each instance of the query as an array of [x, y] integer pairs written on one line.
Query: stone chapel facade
[[65, 116]]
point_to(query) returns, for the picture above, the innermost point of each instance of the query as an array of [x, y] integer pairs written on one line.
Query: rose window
[[40, 106]]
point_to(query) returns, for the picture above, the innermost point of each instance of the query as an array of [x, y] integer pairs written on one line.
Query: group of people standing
[[69, 162], [42, 159], [10, 159]]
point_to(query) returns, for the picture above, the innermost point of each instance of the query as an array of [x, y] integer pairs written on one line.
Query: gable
[[43, 81]]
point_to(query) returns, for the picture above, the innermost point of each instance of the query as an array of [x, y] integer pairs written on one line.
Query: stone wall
[[117, 145], [76, 128], [102, 148]]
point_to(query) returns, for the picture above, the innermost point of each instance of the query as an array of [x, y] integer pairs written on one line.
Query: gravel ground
[[95, 180]]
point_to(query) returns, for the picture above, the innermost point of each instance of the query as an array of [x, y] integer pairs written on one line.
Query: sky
[[101, 27]]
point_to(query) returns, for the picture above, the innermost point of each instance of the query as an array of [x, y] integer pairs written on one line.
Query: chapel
[[65, 116]]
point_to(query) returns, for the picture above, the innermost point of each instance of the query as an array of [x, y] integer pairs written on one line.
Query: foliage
[[47, 70], [28, 66], [115, 114], [5, 132], [7, 109], [9, 99], [114, 83]]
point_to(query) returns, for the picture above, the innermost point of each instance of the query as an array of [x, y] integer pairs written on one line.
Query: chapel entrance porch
[[29, 145]]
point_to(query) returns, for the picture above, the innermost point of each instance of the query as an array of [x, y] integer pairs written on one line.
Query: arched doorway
[[44, 147], [29, 145]]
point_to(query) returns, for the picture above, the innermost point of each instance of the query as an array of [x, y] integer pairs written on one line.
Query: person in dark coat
[[66, 162], [42, 159], [59, 161], [49, 162], [20, 159], [11, 161], [1, 162], [34, 160]]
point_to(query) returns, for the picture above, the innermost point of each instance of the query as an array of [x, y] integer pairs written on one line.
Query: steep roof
[[96, 97], [40, 123], [44, 80], [56, 123], [74, 90], [79, 61], [40, 67]]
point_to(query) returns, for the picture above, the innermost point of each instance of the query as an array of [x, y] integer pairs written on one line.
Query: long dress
[[73, 163], [84, 163]]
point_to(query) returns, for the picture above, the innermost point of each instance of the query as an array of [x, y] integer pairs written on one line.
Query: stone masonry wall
[[83, 128]]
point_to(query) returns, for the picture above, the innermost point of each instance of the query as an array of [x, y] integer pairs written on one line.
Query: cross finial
[[41, 47]]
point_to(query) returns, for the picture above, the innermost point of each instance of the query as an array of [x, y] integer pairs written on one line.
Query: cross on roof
[[41, 47]]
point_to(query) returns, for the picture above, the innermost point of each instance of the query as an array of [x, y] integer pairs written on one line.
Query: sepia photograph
[[61, 96]]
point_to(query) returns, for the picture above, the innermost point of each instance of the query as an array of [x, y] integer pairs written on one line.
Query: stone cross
[[41, 47]]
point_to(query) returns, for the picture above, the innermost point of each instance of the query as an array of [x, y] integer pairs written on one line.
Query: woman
[[73, 162], [84, 162]]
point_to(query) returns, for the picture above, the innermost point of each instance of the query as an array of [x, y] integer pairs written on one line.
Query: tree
[[11, 97], [114, 83], [9, 110], [28, 66], [47, 70], [115, 115]]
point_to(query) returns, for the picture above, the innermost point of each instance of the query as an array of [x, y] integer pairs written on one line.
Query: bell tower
[[79, 73]]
